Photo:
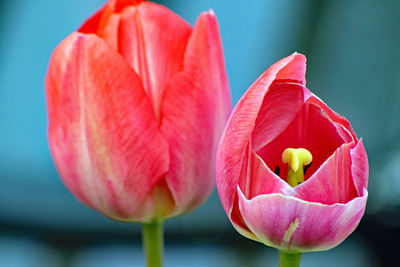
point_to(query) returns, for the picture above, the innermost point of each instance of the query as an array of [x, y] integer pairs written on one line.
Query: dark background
[[353, 55]]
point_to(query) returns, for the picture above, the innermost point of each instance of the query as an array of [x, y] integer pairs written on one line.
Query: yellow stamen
[[296, 158]]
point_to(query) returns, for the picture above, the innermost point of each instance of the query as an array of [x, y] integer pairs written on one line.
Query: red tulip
[[137, 100], [260, 182]]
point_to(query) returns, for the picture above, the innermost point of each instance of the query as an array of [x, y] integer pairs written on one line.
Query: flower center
[[296, 158]]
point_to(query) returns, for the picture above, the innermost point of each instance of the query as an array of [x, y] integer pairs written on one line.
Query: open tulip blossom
[[291, 172], [137, 100]]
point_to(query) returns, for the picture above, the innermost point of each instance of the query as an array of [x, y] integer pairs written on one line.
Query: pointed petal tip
[[210, 12], [297, 54], [293, 68], [300, 57], [207, 15]]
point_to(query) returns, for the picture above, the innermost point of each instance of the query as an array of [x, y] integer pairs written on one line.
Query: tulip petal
[[345, 133], [256, 178], [103, 133], [311, 129], [289, 223], [106, 20], [279, 108], [91, 25], [119, 5], [195, 107], [238, 222], [359, 167], [332, 182], [333, 115], [153, 39], [240, 126], [104, 23], [295, 70]]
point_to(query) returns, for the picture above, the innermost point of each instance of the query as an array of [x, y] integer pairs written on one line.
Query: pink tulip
[[278, 112], [137, 100]]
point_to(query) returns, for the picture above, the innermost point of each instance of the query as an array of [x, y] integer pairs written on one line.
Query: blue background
[[353, 65]]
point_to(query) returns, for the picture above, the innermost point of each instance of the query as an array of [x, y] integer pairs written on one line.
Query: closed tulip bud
[[137, 100]]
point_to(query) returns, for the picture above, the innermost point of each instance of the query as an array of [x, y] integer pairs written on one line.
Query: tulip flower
[[291, 172], [137, 100]]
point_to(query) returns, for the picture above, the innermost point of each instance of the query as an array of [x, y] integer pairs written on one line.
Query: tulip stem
[[289, 259], [153, 242]]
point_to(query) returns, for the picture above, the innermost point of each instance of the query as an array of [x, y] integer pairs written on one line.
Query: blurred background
[[353, 65]]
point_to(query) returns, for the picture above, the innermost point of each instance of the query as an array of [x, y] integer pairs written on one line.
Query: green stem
[[289, 259], [153, 243]]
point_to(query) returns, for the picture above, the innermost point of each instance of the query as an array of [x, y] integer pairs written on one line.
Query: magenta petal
[[280, 106], [333, 115], [359, 167], [195, 108], [295, 70], [256, 178], [240, 126], [344, 133], [289, 223], [332, 182], [311, 129]]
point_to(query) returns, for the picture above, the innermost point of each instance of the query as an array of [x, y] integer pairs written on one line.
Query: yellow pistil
[[296, 158]]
